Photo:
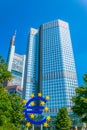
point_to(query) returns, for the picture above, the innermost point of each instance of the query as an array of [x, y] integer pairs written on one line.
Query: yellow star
[[32, 95], [32, 104], [48, 118], [24, 101], [45, 124], [47, 97], [32, 116], [39, 94], [28, 124], [46, 109], [42, 103]]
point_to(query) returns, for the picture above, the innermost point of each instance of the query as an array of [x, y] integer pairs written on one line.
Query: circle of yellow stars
[[42, 103]]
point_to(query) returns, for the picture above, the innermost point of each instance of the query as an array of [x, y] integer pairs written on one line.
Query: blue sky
[[20, 15]]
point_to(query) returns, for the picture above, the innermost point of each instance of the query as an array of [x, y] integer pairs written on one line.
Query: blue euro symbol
[[34, 110]]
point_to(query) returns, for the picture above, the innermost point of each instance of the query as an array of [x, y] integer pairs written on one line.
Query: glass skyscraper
[[50, 66], [31, 78]]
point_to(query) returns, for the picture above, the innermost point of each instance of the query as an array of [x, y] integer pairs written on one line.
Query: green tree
[[8, 126], [5, 110], [11, 108], [4, 73], [5, 106], [16, 114], [80, 101], [63, 120], [11, 105]]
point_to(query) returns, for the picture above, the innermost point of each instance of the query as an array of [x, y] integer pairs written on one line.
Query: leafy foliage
[[10, 110], [80, 101], [16, 109], [11, 105], [8, 126], [63, 120], [4, 73]]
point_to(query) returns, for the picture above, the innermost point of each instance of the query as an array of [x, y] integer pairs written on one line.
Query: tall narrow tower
[[11, 52], [31, 83], [16, 65]]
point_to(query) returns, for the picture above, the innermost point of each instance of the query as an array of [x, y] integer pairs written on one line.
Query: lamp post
[[84, 126], [41, 127], [32, 127]]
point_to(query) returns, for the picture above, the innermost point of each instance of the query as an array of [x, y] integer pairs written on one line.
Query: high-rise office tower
[[16, 65], [31, 78], [50, 66]]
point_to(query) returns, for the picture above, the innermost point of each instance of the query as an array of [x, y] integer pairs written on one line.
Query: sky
[[20, 15]]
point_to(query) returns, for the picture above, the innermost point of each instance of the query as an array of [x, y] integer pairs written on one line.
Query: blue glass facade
[[31, 67], [58, 69], [53, 73]]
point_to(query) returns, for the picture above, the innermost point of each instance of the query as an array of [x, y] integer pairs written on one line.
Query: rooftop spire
[[13, 38]]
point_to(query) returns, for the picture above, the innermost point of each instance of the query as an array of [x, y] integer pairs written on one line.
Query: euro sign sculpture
[[31, 109]]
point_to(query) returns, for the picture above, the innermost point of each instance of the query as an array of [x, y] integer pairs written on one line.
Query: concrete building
[[16, 65]]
